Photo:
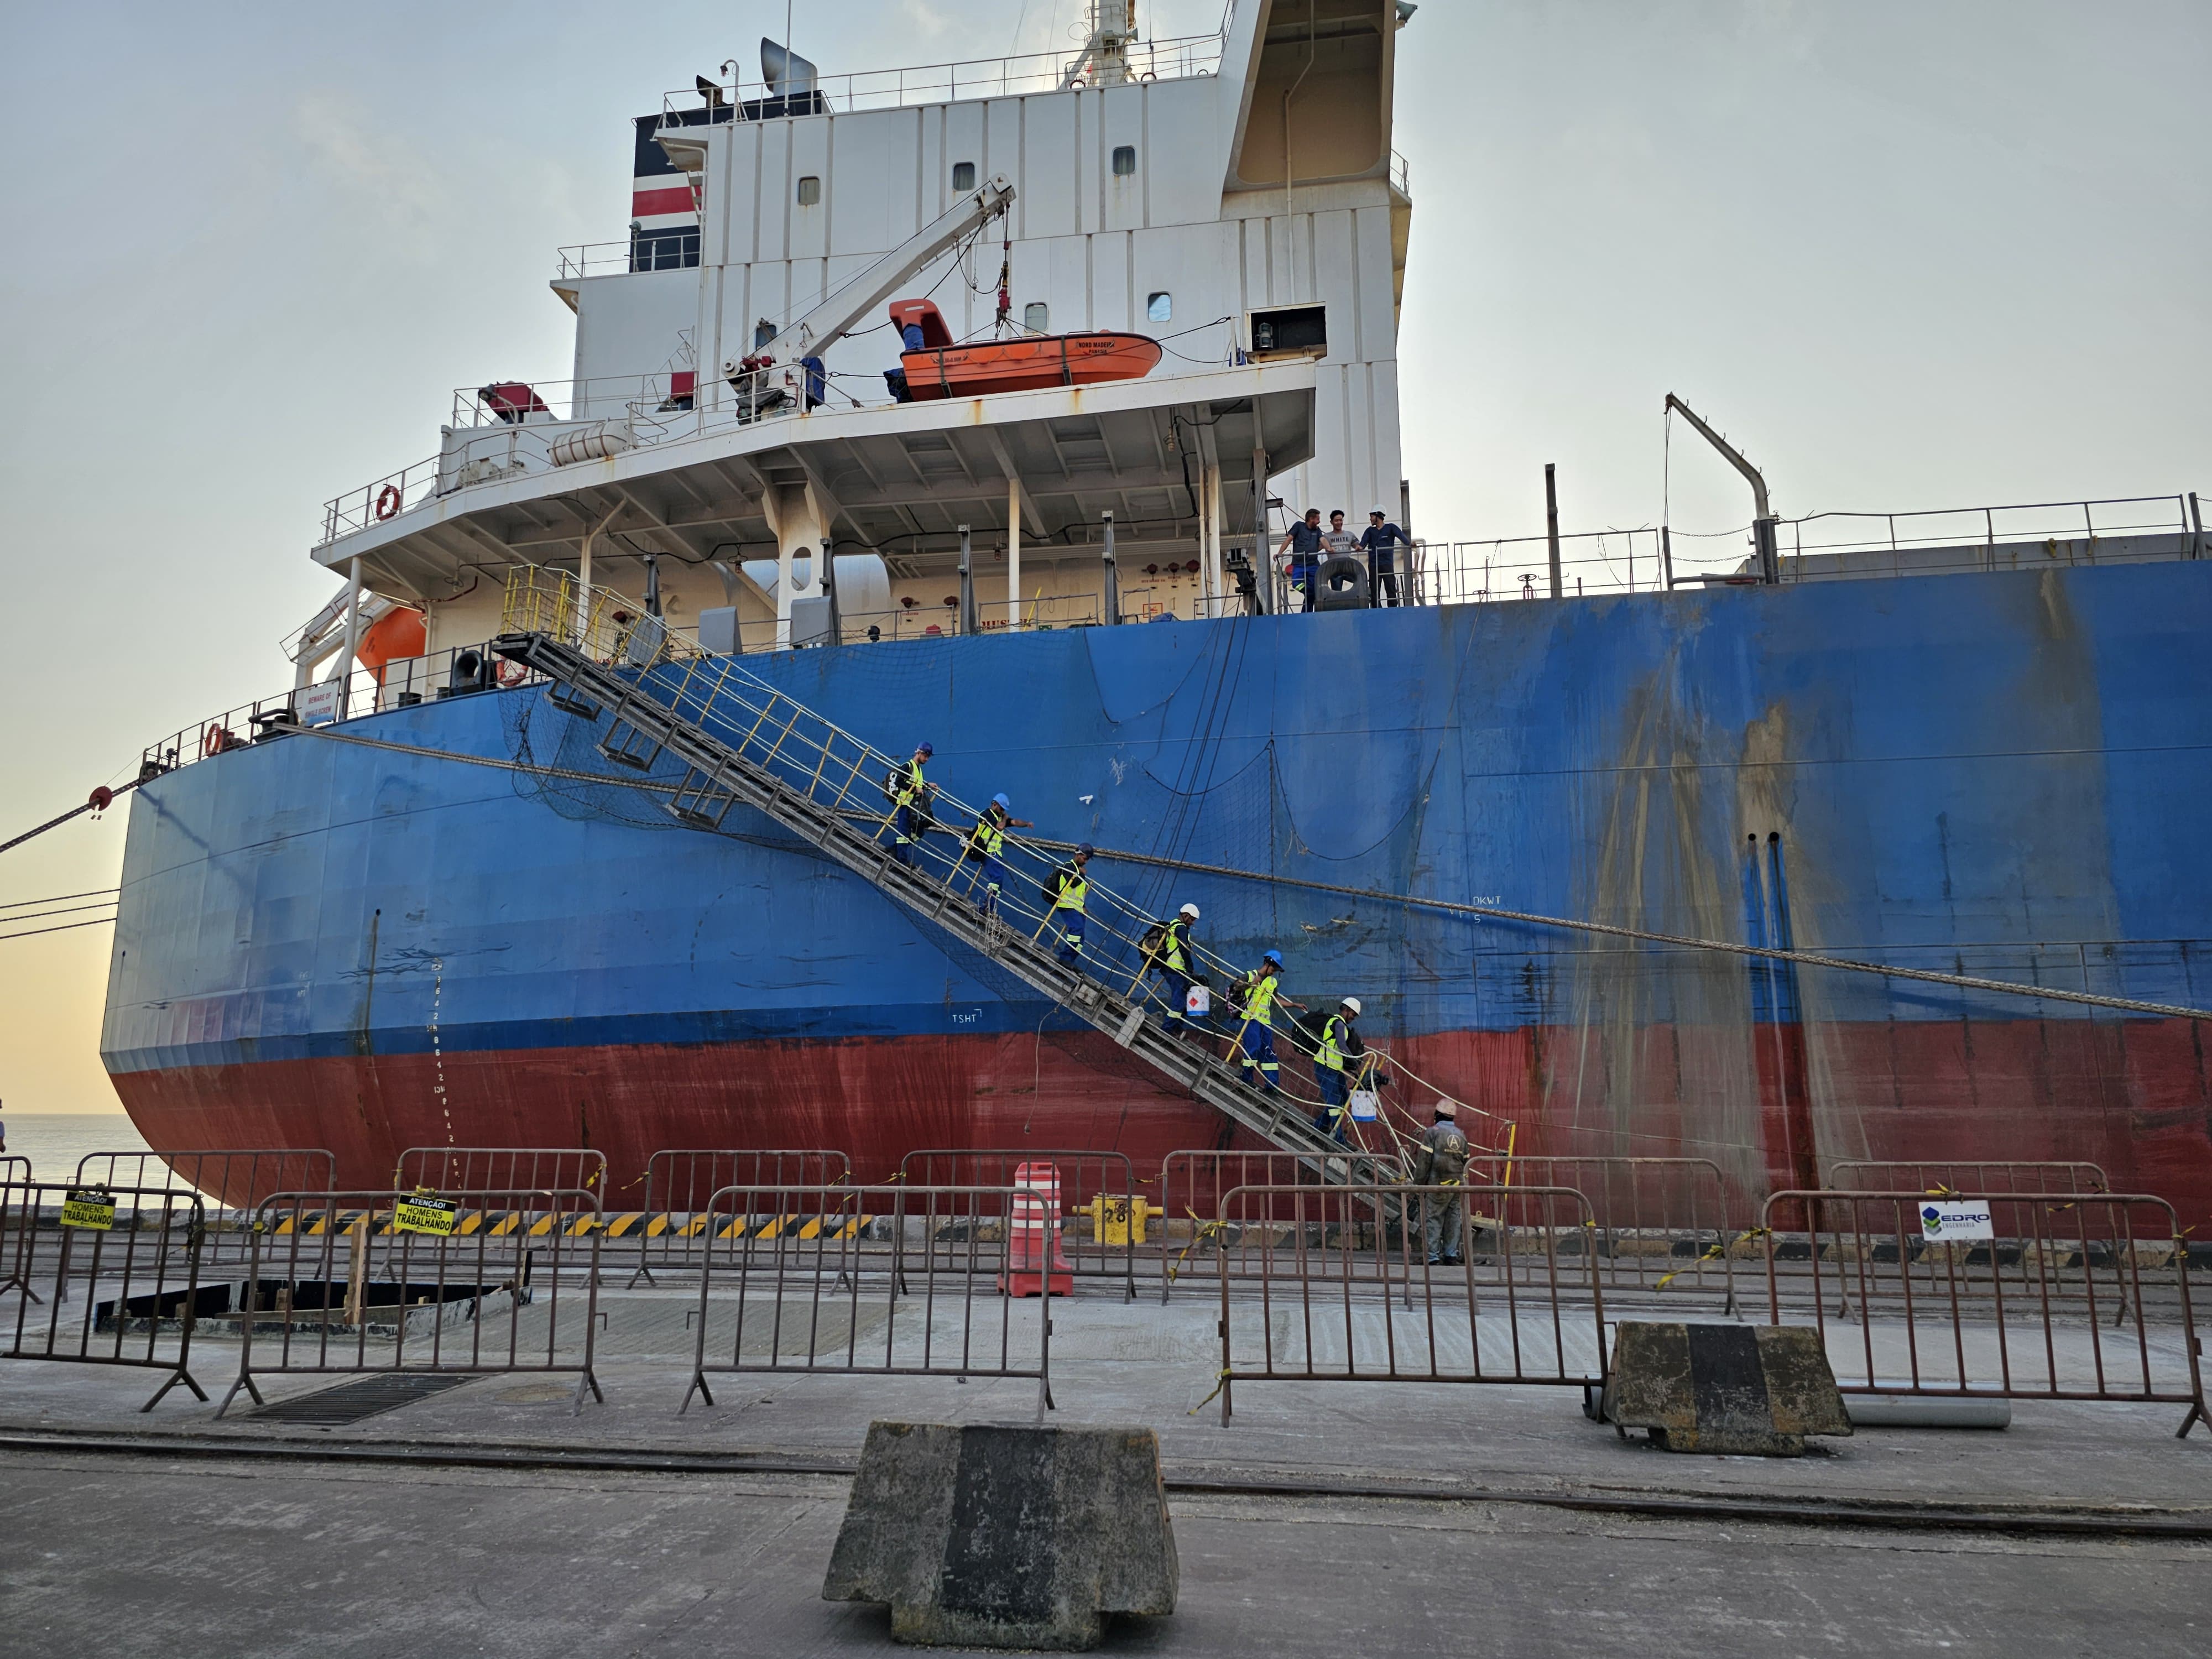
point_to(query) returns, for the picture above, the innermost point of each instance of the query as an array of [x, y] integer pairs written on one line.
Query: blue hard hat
[[925, 748], [1002, 803], [1275, 956], [1084, 847]]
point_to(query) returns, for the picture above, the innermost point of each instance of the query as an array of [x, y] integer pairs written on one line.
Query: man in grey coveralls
[[1442, 1162]]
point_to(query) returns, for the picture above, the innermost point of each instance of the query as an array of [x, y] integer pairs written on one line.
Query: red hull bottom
[[2133, 1097]]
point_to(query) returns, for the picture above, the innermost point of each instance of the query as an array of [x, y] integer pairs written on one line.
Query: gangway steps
[[641, 729]]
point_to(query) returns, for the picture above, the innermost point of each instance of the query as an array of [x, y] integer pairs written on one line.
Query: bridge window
[[1036, 317], [1125, 160], [810, 191], [1160, 308], [964, 175]]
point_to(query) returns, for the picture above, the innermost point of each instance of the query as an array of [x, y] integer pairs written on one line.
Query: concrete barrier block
[[982, 1535], [1759, 1389]]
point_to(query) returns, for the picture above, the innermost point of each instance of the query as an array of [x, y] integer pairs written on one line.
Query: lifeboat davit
[[1024, 363]]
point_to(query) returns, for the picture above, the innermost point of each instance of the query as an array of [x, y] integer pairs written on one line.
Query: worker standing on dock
[[1442, 1162], [1171, 961], [909, 793], [1381, 539], [988, 841], [1068, 889], [1257, 1038], [1335, 1062]]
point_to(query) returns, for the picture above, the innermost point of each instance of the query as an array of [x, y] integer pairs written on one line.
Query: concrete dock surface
[[1410, 1518]]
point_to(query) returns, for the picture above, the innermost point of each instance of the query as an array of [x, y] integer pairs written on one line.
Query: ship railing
[[2041, 1296], [1177, 58], [403, 682], [596, 259], [1819, 547], [1402, 175]]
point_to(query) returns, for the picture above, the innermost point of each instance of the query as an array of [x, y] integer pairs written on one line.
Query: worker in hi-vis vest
[[1336, 1062], [909, 793], [1068, 889], [1257, 1043], [988, 841], [1171, 960]]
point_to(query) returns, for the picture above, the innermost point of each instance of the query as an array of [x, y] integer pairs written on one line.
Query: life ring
[[510, 673], [215, 740], [387, 502]]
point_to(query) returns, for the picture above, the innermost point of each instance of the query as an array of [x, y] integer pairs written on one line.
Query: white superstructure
[[1234, 196]]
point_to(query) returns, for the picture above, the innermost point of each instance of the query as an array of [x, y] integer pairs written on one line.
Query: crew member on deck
[[1381, 539], [909, 793], [1304, 545], [1069, 889]]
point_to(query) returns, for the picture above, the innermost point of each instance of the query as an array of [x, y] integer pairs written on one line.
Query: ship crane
[[774, 375]]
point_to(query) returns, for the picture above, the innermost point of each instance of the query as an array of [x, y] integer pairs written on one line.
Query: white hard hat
[[1447, 1109], [1190, 910], [1351, 1002], [1374, 512]]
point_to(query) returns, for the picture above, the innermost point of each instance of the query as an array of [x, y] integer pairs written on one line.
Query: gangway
[[661, 706]]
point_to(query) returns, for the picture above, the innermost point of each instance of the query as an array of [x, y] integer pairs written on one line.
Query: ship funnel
[[787, 74]]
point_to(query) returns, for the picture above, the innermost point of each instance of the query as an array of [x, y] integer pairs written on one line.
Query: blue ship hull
[[2003, 774]]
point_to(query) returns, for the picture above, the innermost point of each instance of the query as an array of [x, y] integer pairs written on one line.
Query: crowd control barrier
[[1333, 1285], [460, 1281], [1980, 1176], [15, 1228], [503, 1170], [1191, 1183], [1098, 1194], [237, 1179], [133, 1256], [894, 1280], [1662, 1224], [678, 1182], [2040, 1296]]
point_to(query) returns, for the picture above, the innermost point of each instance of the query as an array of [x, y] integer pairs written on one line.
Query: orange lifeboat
[[1025, 363]]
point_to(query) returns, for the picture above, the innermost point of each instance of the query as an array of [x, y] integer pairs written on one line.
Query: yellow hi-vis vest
[[988, 837], [1073, 888], [1330, 1055], [908, 786], [1171, 953], [1259, 1005]]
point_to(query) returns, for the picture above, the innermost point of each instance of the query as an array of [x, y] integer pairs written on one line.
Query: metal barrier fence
[[237, 1179], [419, 1284], [503, 1169], [1101, 1186], [1661, 1223], [15, 1223], [137, 1252], [2010, 1294], [1191, 1183], [868, 1281], [1976, 1176], [678, 1182], [1342, 1297]]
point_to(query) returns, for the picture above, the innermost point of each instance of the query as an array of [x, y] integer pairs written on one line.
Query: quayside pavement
[[1405, 1518]]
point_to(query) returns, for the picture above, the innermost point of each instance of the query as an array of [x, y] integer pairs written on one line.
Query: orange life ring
[[215, 740], [510, 673], [387, 502]]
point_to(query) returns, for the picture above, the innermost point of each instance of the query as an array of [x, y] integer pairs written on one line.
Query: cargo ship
[[1976, 748]]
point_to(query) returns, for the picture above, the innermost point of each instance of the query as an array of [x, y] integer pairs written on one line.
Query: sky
[[1907, 253]]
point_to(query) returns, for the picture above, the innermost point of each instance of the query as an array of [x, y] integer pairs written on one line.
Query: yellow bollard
[[1117, 1220]]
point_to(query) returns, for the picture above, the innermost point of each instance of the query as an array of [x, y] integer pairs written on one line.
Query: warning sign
[[1943, 1219], [421, 1213], [89, 1206]]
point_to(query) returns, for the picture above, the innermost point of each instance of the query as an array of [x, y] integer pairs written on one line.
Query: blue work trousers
[[1069, 924], [1259, 1056], [994, 878], [906, 834]]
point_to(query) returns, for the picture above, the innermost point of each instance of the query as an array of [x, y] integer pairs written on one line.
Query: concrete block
[[995, 1536], [1719, 1388]]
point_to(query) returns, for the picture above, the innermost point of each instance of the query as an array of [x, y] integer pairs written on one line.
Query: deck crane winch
[[776, 374]]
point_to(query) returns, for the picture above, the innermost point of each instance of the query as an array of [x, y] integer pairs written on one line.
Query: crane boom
[[816, 330]]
